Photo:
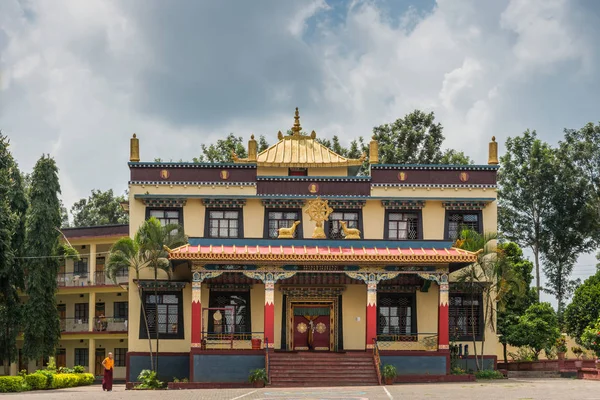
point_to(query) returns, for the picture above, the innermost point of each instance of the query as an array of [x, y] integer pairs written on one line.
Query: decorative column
[[197, 278], [92, 356], [372, 277], [92, 265], [443, 317], [269, 278], [91, 311]]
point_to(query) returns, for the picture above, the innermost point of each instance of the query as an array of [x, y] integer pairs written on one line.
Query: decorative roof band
[[464, 205], [229, 287], [283, 203], [192, 183], [403, 204], [397, 288], [224, 203], [161, 285], [350, 204], [452, 167], [165, 203], [188, 165]]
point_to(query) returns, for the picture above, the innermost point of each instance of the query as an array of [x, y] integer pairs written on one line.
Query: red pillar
[[371, 313], [196, 314], [443, 322], [270, 313]]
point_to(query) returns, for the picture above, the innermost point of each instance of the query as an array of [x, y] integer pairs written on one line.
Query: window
[[234, 309], [297, 171], [166, 216], [403, 226], [396, 315], [80, 267], [120, 355], [335, 228], [120, 309], [165, 313], [224, 223], [282, 219], [465, 316], [457, 221], [81, 357], [81, 311]]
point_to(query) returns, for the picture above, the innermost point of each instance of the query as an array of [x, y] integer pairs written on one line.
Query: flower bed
[[43, 379]]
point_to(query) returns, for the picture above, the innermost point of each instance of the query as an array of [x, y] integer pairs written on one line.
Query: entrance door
[[100, 356], [61, 358], [312, 328], [62, 315]]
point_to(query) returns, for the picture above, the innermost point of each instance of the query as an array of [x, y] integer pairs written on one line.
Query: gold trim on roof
[[301, 151]]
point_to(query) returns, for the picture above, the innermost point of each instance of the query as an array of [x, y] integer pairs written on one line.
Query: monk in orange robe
[[108, 365]]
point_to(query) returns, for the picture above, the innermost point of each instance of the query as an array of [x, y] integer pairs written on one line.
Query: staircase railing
[[377, 360], [267, 367]]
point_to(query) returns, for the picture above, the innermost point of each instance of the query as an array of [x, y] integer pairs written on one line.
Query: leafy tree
[[526, 183], [515, 302], [13, 206], [491, 276], [537, 328], [453, 157], [584, 308], [148, 249], [591, 337], [101, 208], [41, 324], [222, 151]]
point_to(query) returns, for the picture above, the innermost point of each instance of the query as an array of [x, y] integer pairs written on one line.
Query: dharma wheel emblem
[[321, 327], [165, 174], [464, 176]]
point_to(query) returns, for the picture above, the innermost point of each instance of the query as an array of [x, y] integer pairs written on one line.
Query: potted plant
[[561, 347], [255, 343], [258, 377], [591, 339], [389, 374], [578, 351]]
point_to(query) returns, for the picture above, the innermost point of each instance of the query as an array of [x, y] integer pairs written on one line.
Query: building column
[[443, 318], [92, 264], [371, 313], [92, 356], [269, 317], [91, 311], [196, 312]]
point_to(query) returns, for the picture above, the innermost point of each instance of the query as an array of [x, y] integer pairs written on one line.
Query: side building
[[93, 310], [293, 250]]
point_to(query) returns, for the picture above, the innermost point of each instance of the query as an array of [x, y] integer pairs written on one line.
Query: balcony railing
[[233, 341], [411, 341], [122, 278], [71, 279], [74, 325], [110, 324]]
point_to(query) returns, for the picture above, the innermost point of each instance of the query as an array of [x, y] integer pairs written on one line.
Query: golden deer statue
[[288, 233], [349, 233]]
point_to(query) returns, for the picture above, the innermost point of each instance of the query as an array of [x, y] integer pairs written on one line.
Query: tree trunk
[[473, 330], [504, 352], [536, 254], [6, 363], [147, 328]]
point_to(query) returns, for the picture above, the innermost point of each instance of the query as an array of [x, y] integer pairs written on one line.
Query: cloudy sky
[[77, 78]]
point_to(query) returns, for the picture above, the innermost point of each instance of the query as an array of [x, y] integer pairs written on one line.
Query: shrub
[[36, 381], [591, 338], [561, 344], [85, 379], [65, 381], [51, 364], [389, 371], [489, 374], [78, 369], [458, 371], [12, 384], [578, 351], [523, 354], [49, 376], [148, 380], [258, 375]]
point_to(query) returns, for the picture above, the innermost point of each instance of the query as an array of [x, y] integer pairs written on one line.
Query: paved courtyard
[[518, 389]]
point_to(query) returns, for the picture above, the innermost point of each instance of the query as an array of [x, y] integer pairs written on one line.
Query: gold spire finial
[[134, 149], [296, 129], [493, 152], [252, 149]]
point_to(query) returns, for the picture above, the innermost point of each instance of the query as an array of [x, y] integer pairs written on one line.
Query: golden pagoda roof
[[301, 151]]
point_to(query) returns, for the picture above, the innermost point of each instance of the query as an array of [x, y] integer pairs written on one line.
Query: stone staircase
[[293, 369]]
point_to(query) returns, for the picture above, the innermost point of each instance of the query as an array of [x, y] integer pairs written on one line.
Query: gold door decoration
[[321, 328], [318, 210], [302, 327]]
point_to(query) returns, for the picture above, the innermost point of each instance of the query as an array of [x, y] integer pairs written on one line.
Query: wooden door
[[312, 332], [100, 321], [100, 356], [61, 358], [62, 316]]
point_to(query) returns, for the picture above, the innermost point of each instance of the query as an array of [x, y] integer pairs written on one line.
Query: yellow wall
[[336, 171], [373, 220], [354, 304], [427, 310]]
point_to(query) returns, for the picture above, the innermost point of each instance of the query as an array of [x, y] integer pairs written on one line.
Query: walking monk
[[108, 365]]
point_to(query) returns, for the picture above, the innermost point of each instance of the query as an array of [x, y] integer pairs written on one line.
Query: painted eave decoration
[[315, 253]]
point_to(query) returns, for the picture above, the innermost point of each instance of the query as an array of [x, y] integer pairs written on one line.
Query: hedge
[[43, 380]]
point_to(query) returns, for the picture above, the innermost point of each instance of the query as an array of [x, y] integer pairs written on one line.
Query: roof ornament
[[296, 129]]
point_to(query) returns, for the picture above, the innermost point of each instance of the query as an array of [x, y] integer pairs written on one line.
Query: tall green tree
[[41, 323], [100, 208], [515, 301], [584, 308], [13, 206], [526, 181], [537, 328], [222, 151]]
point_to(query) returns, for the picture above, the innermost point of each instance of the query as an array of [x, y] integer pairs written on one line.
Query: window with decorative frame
[[234, 310], [396, 316], [282, 218], [465, 313], [166, 216], [351, 217], [224, 223], [456, 221], [120, 356], [164, 312], [403, 225]]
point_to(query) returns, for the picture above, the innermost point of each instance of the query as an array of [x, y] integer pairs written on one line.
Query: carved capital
[[200, 276]]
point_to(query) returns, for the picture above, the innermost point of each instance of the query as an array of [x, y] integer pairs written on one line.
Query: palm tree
[[145, 250], [491, 275]]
